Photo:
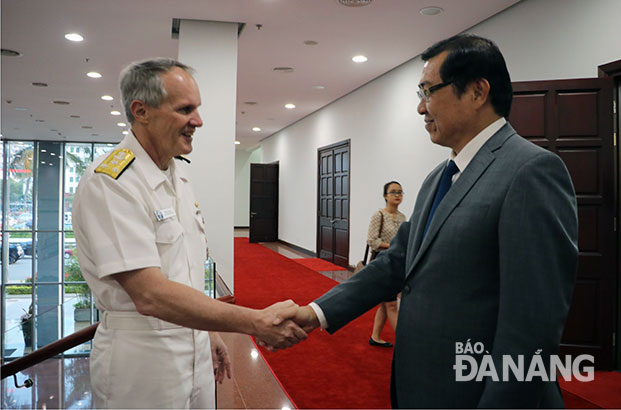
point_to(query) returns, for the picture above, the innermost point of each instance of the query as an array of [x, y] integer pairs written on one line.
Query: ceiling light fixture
[[60, 102], [107, 97], [38, 84], [359, 59], [125, 132], [354, 3], [431, 11], [115, 112], [74, 37], [311, 42], [121, 124], [21, 109], [256, 129], [289, 106], [284, 70], [319, 87], [10, 53], [74, 116], [237, 142], [93, 74]]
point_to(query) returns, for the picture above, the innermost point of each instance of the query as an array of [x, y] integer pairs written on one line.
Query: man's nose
[[422, 107], [196, 120]]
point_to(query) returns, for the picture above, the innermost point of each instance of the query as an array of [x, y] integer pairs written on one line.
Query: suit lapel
[[454, 196]]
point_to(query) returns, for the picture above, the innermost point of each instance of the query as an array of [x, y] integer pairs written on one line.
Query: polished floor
[[65, 383]]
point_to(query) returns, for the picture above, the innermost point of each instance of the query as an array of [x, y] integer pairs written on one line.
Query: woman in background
[[382, 228]]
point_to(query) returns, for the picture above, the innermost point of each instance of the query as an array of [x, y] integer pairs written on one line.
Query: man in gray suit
[[487, 259]]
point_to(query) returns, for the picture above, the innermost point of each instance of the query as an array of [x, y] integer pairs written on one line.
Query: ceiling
[[116, 32]]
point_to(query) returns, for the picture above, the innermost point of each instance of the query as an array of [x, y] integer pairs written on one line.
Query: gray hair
[[142, 81]]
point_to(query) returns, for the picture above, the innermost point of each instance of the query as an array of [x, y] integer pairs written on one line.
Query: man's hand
[[307, 319], [275, 330], [219, 357]]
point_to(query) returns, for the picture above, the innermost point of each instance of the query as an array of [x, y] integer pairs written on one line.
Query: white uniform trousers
[[143, 362]]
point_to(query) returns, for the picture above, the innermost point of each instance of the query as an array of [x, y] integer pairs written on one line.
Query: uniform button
[[406, 289]]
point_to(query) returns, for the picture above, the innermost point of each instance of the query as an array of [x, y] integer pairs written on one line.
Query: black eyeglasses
[[395, 193], [425, 93]]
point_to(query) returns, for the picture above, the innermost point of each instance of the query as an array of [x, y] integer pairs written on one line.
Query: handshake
[[283, 325]]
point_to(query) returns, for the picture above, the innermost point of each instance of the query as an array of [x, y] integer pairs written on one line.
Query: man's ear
[[480, 91], [140, 111]]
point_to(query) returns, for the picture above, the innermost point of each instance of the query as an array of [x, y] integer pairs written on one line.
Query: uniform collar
[[151, 172]]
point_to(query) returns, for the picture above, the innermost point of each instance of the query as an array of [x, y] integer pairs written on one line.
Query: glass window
[[19, 186], [19, 269], [77, 163], [101, 149]]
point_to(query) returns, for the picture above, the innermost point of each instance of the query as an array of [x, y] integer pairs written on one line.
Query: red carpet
[[318, 264], [325, 371], [603, 392]]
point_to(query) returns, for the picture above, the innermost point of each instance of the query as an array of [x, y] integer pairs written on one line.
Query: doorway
[[333, 203], [263, 203], [574, 119]]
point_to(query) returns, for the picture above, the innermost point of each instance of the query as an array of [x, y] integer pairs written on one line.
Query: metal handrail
[[62, 345]]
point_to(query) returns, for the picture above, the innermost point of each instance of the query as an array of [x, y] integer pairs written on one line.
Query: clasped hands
[[284, 324]]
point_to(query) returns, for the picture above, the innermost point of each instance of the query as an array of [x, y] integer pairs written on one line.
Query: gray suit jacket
[[497, 266]]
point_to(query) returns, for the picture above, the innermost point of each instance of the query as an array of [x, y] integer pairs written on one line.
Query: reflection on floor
[[65, 383], [58, 384]]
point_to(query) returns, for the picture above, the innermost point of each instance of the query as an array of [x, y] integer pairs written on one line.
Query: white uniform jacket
[[142, 219]]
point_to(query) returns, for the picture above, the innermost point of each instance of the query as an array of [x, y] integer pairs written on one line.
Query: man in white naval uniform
[[141, 246]]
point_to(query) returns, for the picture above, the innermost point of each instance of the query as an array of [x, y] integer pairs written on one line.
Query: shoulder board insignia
[[182, 158], [116, 163]]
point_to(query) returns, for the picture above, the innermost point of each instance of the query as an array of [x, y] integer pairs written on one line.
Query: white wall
[[211, 48], [541, 39], [243, 159]]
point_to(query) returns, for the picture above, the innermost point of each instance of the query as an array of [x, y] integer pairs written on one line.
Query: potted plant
[[82, 312], [26, 325]]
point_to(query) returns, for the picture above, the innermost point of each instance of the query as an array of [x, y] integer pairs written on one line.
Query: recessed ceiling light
[[43, 150], [53, 154], [311, 43], [10, 53], [284, 70], [319, 87], [256, 129], [237, 142], [74, 37], [115, 112], [88, 127], [94, 74], [38, 84], [250, 102], [121, 124], [95, 135], [59, 102], [359, 59], [39, 120], [107, 97], [355, 3], [20, 109], [74, 116], [289, 106], [125, 132], [431, 11]]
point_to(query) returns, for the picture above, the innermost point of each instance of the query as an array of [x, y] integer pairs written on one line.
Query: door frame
[[613, 70], [318, 196]]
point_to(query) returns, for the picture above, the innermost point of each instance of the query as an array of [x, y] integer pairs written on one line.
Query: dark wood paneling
[[577, 117], [333, 203]]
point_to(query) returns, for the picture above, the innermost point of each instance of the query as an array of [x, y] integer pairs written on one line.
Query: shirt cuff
[[322, 318]]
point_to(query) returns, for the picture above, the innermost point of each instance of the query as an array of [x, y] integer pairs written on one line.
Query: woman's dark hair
[[471, 58], [387, 184]]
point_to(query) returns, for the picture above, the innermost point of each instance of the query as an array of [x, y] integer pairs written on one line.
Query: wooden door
[[333, 204], [574, 119], [263, 203]]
